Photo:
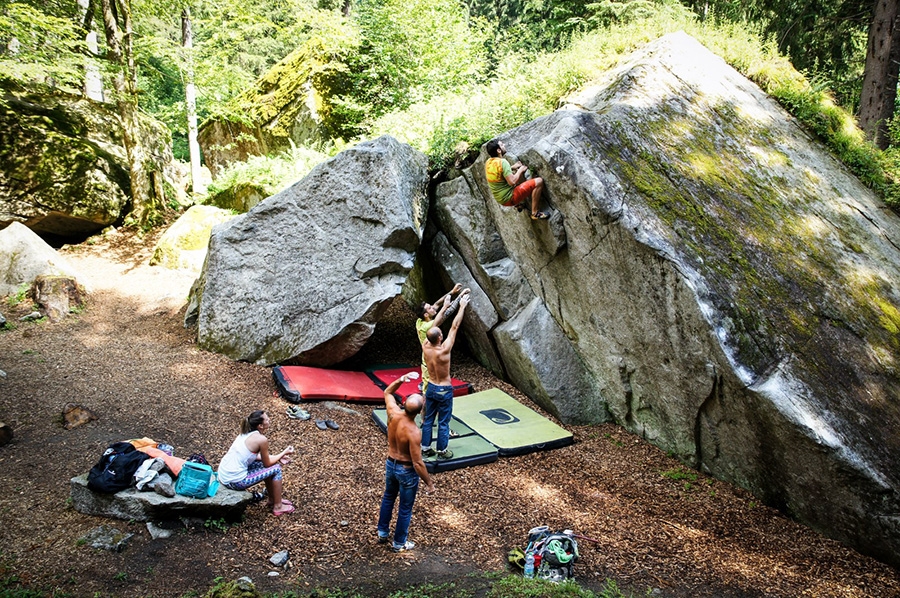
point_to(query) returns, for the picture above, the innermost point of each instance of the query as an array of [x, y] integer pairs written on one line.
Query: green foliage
[[488, 584], [428, 590], [411, 51], [679, 474], [19, 296], [10, 588], [39, 46], [216, 525], [271, 173], [515, 586], [826, 39], [451, 126]]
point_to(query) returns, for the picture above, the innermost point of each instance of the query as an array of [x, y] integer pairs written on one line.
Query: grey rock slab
[[480, 316], [305, 275], [132, 504], [107, 538], [541, 361]]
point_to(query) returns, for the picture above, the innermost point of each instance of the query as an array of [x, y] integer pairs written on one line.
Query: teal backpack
[[196, 480]]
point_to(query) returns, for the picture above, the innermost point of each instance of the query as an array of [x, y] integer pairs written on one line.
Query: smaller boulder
[[24, 256], [107, 538], [241, 197], [183, 245], [132, 504]]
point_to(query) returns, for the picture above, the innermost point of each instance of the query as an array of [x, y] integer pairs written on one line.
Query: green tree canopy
[[42, 42], [411, 50]]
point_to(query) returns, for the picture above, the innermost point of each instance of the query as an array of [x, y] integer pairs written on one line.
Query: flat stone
[[157, 532], [280, 558], [131, 504], [107, 538]]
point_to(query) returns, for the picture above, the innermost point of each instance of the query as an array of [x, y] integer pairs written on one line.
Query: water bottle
[[529, 564]]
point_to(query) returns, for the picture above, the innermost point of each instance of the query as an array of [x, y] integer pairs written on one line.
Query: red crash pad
[[302, 383], [385, 377]]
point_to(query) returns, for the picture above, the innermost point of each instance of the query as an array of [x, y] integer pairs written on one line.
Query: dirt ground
[[658, 528]]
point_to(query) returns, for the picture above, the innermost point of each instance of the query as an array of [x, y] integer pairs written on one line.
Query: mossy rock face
[[239, 198], [183, 245], [63, 168], [287, 105], [732, 290]]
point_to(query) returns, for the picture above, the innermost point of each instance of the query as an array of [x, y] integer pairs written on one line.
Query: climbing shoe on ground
[[445, 454], [408, 545], [296, 412], [383, 539], [429, 452]]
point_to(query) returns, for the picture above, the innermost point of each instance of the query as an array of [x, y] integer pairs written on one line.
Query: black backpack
[[116, 468]]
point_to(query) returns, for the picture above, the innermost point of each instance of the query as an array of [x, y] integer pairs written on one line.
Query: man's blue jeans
[[403, 481], [439, 403]]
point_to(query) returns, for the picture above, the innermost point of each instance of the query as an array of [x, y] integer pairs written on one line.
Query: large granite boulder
[[24, 256], [183, 245], [304, 276], [711, 278], [63, 169]]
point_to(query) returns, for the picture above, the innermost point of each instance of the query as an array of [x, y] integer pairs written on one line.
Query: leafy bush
[[271, 173]]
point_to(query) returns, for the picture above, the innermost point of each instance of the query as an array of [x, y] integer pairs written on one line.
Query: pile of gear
[[548, 555], [148, 465]]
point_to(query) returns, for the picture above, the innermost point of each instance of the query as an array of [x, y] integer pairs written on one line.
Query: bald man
[[403, 467], [439, 394]]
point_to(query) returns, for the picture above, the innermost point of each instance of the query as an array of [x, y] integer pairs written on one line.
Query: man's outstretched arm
[[449, 309], [451, 336], [390, 402], [445, 304]]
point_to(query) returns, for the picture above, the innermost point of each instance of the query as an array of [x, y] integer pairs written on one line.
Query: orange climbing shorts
[[521, 193]]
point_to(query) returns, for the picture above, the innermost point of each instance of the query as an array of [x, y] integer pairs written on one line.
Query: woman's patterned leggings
[[256, 473]]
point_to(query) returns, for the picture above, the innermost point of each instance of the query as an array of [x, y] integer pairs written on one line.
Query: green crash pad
[[468, 448], [508, 424]]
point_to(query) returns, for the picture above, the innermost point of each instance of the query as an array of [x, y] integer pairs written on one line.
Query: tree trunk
[[93, 82], [879, 88], [125, 86], [190, 97]]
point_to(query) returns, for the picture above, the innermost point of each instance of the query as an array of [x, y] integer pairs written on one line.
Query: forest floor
[[659, 528]]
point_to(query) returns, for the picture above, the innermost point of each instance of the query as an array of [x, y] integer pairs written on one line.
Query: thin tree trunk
[[93, 82], [190, 97], [879, 88], [126, 102]]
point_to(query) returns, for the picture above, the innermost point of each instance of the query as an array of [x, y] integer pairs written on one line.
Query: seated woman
[[249, 462]]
